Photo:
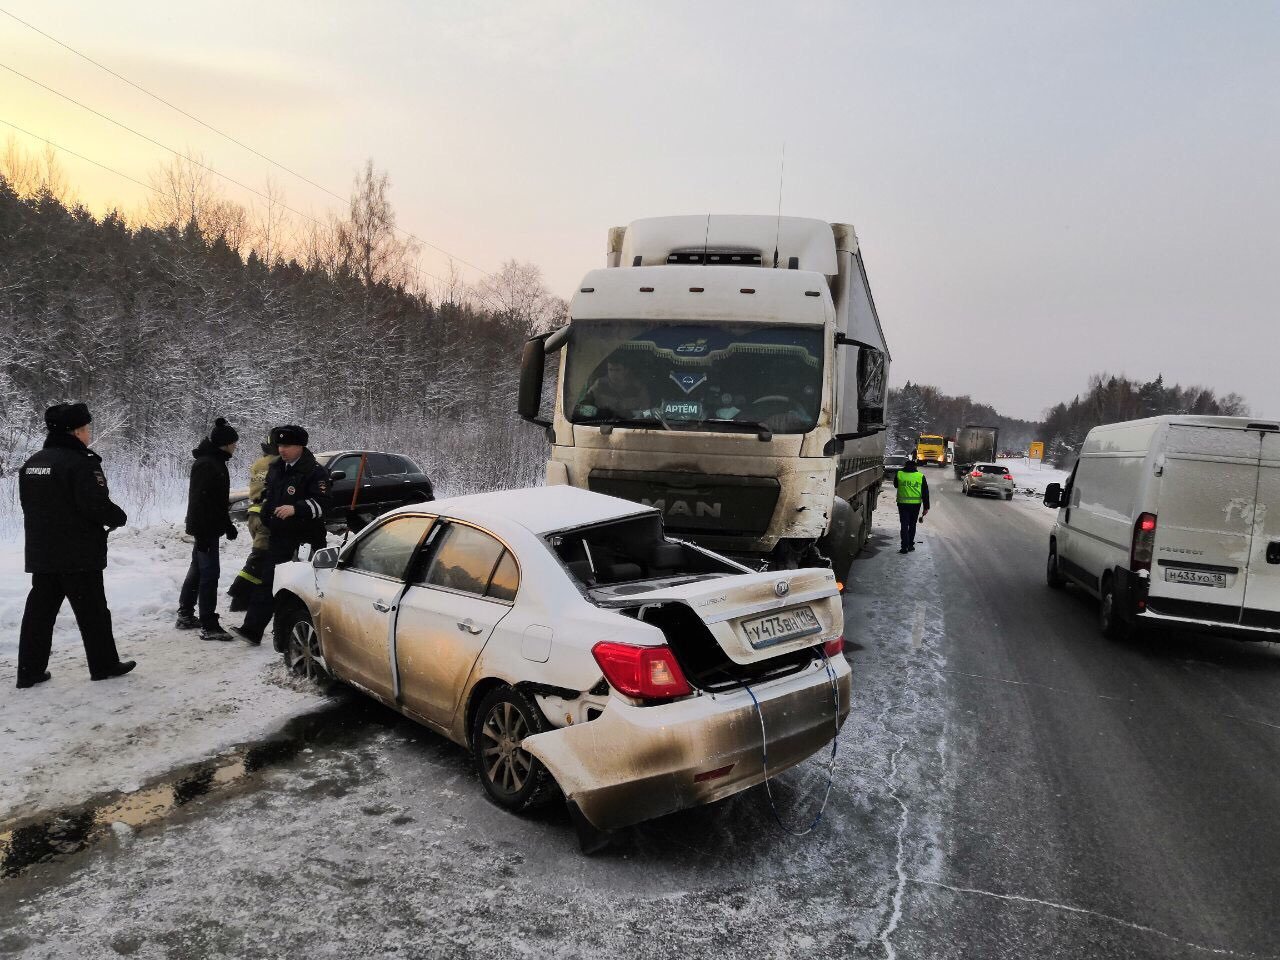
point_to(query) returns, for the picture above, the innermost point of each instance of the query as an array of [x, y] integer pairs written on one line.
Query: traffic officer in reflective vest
[[294, 501], [913, 493], [67, 511]]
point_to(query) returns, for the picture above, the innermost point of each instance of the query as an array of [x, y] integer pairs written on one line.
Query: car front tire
[[513, 777], [1052, 575], [297, 639]]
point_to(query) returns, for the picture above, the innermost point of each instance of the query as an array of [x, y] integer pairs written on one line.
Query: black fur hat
[[290, 434], [67, 417]]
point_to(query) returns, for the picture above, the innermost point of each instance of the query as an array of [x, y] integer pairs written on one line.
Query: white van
[[1174, 521]]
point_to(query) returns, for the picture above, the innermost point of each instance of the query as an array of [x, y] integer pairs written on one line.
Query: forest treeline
[[919, 408], [196, 308]]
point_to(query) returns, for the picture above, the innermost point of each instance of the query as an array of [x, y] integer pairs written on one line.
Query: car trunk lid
[[753, 618]]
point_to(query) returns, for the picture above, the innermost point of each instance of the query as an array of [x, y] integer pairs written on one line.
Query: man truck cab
[[1174, 521], [730, 371]]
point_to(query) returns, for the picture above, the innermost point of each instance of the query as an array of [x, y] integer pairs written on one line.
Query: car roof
[[540, 510]]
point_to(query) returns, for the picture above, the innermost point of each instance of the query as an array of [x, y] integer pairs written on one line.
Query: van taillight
[[1144, 541], [649, 673]]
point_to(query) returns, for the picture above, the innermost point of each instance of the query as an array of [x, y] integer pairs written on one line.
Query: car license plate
[[780, 627], [1201, 578]]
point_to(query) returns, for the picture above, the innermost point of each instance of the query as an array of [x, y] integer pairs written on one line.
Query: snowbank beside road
[[70, 738], [1032, 476]]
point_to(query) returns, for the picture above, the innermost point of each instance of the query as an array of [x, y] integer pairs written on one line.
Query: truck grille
[[696, 502]]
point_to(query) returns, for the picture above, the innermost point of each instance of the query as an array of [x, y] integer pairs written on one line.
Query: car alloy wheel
[[512, 776], [302, 653]]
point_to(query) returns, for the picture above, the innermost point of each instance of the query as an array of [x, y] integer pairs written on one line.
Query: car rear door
[[1205, 522], [360, 601], [1262, 591], [462, 587]]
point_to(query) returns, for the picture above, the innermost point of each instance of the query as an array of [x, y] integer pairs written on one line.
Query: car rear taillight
[[834, 647], [976, 473], [1144, 541], [1008, 476], [650, 673]]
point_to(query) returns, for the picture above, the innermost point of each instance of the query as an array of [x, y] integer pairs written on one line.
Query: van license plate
[[780, 627], [1200, 578]]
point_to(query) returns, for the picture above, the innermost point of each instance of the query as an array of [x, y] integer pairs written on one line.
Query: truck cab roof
[[698, 293]]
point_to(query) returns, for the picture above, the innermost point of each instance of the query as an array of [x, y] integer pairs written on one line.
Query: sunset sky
[[1042, 191]]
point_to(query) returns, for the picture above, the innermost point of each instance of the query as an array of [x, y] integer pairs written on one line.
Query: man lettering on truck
[[913, 493]]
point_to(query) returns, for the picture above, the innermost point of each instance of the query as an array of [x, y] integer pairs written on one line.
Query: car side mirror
[[325, 559], [337, 475], [1053, 496]]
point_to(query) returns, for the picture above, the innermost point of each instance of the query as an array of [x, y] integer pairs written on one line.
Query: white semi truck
[[731, 371]]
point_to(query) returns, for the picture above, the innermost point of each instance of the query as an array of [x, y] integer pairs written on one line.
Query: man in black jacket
[[208, 519], [295, 497], [67, 511]]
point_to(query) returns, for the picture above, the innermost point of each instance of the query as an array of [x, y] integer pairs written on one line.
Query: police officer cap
[[289, 435], [67, 417]]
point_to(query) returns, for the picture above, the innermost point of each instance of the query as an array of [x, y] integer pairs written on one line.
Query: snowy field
[[189, 699], [1032, 476]]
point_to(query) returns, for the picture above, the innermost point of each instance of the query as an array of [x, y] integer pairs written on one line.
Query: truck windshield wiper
[[621, 422], [746, 426]]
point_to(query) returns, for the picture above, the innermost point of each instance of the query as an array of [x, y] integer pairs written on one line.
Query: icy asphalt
[[1008, 785]]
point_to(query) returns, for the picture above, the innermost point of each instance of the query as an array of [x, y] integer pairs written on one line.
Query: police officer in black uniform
[[295, 497], [67, 511]]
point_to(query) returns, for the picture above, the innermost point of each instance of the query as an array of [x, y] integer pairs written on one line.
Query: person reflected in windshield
[[618, 393]]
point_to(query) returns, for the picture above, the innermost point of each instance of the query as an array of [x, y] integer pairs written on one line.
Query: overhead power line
[[155, 189], [213, 129]]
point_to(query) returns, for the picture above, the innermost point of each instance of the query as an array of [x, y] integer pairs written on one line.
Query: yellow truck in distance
[[931, 448]]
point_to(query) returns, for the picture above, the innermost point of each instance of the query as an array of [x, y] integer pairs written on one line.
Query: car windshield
[[682, 376]]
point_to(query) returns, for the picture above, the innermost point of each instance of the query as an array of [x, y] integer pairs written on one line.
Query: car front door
[[360, 601], [462, 588]]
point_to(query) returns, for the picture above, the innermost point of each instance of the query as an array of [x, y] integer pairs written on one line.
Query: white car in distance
[[562, 638]]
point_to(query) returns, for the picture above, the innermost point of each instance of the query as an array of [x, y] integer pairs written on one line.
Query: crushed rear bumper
[[635, 763]]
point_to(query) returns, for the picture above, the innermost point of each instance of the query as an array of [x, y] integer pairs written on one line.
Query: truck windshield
[[684, 376]]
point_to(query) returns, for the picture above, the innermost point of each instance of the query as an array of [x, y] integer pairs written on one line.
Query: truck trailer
[[730, 371], [975, 444]]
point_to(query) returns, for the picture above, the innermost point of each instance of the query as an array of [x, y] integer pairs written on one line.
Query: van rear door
[[1204, 522], [1262, 591]]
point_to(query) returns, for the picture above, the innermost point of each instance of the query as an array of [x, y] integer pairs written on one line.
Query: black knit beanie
[[223, 433]]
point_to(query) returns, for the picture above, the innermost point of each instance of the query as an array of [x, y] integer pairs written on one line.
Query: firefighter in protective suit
[[250, 575]]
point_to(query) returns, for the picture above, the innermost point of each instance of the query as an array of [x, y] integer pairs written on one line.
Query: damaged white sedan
[[566, 642]]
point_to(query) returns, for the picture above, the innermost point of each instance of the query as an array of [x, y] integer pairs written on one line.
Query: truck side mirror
[[530, 397], [835, 446], [1053, 495]]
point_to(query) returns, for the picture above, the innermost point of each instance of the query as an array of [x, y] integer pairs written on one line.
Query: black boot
[[23, 684], [215, 632], [187, 621], [119, 670]]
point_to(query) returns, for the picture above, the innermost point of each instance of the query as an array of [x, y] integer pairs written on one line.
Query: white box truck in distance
[[731, 371], [1175, 522]]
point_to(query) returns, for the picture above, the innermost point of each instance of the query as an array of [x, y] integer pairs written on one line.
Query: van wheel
[[512, 776], [1052, 575], [1112, 625]]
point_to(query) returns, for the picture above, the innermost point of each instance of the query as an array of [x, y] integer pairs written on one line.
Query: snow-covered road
[[69, 739]]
